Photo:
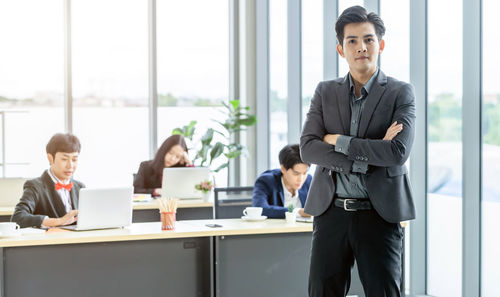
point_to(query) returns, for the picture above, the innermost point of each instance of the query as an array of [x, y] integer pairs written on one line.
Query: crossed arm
[[318, 146]]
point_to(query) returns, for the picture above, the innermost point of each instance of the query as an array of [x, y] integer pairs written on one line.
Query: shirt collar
[[56, 180], [366, 88], [285, 190]]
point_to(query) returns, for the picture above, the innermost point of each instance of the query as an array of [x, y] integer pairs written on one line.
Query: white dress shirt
[[289, 199], [63, 193]]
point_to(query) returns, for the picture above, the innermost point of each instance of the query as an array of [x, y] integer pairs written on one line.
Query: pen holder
[[167, 220]]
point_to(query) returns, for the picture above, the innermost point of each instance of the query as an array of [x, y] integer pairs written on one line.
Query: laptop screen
[[180, 182]]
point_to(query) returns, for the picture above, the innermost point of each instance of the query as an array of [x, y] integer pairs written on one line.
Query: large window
[[395, 62], [491, 151], [277, 78], [312, 50], [193, 67], [110, 89], [444, 162], [31, 83]]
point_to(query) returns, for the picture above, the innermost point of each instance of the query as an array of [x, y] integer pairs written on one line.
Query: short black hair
[[290, 156], [358, 14], [63, 143]]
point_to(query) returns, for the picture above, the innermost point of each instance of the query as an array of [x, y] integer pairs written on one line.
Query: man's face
[[295, 177], [361, 47], [63, 165]]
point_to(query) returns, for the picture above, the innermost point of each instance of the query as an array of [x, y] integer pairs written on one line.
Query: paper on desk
[[25, 231]]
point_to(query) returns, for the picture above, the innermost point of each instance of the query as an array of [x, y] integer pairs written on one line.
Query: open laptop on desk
[[103, 209], [179, 182]]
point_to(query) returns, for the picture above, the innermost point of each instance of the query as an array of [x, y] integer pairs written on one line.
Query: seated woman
[[172, 153]]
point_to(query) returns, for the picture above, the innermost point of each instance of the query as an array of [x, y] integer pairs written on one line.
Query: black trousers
[[339, 237]]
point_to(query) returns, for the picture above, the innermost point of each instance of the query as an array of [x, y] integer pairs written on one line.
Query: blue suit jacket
[[268, 193]]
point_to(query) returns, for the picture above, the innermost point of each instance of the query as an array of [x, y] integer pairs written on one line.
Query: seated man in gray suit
[[51, 199], [359, 132]]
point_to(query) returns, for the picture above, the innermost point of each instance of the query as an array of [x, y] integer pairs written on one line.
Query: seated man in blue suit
[[275, 189]]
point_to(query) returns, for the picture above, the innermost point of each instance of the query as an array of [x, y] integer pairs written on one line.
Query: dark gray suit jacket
[[40, 199], [386, 180]]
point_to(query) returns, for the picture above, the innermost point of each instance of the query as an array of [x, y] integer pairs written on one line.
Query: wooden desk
[[143, 260], [193, 260], [148, 211]]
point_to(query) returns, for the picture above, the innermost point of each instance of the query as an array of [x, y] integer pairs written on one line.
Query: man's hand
[[303, 214], [331, 138], [393, 130], [67, 219]]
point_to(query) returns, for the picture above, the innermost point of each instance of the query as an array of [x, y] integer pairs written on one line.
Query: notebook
[[103, 209]]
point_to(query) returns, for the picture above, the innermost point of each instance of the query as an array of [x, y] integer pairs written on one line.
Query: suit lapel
[[54, 196], [280, 187], [343, 105], [371, 103], [74, 198]]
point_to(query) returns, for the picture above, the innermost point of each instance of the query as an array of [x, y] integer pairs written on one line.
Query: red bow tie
[[61, 186]]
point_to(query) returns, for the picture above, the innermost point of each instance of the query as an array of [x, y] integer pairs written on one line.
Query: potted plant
[[205, 187], [235, 118], [290, 215]]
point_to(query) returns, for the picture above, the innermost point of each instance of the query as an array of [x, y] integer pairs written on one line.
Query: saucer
[[252, 219]]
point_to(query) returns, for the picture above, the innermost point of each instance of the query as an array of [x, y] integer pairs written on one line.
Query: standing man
[[359, 131]]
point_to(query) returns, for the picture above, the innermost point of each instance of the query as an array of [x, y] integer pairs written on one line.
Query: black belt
[[353, 204]]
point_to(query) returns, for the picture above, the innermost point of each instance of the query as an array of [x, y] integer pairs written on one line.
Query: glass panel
[[444, 231], [343, 4], [110, 89], [491, 151], [278, 78], [31, 82], [395, 61], [193, 68], [312, 50]]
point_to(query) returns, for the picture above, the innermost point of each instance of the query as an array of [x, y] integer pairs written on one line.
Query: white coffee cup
[[9, 229], [252, 212]]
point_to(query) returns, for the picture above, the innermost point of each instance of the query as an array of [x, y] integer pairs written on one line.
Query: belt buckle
[[345, 205]]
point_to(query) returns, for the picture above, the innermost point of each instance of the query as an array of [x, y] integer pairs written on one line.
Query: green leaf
[[216, 151], [221, 167], [177, 131], [233, 154], [235, 104], [207, 138], [249, 121]]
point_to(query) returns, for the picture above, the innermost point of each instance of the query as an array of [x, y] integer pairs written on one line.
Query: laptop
[[180, 182], [103, 209]]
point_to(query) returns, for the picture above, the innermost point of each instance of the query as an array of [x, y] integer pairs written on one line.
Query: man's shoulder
[[79, 184], [271, 173], [395, 83], [333, 83], [269, 176]]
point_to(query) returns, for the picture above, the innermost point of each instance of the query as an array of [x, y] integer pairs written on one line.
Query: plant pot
[[206, 195], [290, 217]]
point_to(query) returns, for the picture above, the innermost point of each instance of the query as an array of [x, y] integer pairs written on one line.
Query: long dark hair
[[159, 160]]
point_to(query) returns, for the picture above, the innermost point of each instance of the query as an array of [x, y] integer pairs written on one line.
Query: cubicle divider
[[230, 202]]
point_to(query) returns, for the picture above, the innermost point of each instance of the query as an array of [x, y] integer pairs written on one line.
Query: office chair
[[230, 202]]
